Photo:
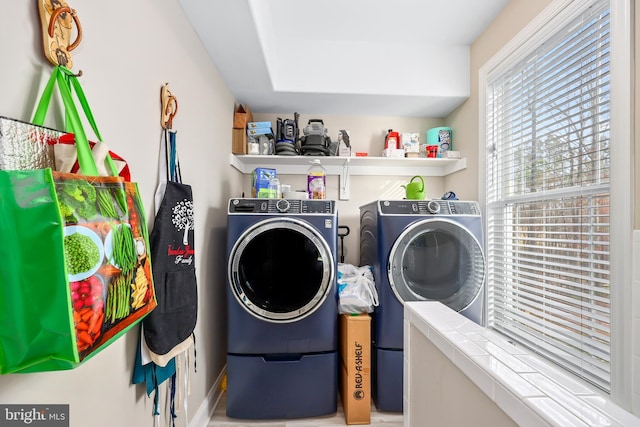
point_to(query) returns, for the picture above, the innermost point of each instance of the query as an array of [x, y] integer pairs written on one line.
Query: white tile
[[579, 407], [513, 405], [475, 336], [472, 370], [561, 377], [505, 357], [510, 347], [553, 413], [605, 405], [514, 382], [471, 348], [442, 343], [423, 327], [442, 324], [506, 376], [463, 343]]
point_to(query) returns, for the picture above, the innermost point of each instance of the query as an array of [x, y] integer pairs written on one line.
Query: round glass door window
[[281, 269], [437, 260]]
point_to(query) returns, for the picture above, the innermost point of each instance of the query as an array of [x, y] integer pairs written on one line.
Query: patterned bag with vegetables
[[78, 271]]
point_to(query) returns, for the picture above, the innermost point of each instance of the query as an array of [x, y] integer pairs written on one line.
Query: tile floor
[[379, 419]]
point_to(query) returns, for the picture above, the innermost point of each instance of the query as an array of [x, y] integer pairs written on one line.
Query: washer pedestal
[[282, 386]]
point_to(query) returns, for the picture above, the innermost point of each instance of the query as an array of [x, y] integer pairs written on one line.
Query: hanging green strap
[[68, 82]]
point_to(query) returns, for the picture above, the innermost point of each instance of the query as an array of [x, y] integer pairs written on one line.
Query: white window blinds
[[548, 197]]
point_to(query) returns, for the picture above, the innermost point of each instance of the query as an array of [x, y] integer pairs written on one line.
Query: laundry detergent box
[[259, 125], [355, 367], [260, 178]]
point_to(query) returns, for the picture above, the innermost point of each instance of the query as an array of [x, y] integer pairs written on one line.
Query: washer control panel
[[282, 206], [428, 207]]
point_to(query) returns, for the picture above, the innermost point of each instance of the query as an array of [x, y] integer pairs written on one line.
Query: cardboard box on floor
[[355, 367]]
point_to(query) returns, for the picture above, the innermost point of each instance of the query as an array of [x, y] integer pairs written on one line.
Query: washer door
[[438, 260], [281, 269]]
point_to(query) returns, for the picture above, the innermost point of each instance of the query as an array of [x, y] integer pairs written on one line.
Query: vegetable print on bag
[[106, 256]]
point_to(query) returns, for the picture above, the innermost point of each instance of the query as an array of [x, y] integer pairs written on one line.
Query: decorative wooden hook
[[169, 107], [57, 19]]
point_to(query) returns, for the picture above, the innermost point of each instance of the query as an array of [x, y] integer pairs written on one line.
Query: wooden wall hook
[[169, 107]]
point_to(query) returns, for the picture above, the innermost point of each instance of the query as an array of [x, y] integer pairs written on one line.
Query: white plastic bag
[[356, 289]]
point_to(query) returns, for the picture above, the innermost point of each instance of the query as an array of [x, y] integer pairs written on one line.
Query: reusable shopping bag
[[77, 271]]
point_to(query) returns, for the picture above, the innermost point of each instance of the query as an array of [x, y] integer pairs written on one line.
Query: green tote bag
[[76, 273]]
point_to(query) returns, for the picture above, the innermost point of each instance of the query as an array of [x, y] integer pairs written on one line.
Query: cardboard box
[[239, 141], [260, 178], [355, 367], [241, 117]]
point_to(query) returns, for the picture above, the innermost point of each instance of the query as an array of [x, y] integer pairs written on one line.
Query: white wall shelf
[[345, 166]]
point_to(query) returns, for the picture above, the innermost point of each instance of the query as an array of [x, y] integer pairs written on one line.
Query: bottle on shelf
[[392, 140], [316, 180], [275, 189]]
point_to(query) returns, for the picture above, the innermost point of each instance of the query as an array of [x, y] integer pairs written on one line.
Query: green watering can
[[415, 190]]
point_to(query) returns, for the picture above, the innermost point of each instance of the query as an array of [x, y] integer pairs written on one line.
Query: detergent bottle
[[392, 140], [316, 180]]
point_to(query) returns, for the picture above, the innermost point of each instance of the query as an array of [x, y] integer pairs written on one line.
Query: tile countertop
[[523, 385]]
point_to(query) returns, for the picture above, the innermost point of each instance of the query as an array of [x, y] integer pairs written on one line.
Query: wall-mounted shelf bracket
[[345, 184]]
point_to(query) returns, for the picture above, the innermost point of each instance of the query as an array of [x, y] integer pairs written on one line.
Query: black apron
[[173, 261]]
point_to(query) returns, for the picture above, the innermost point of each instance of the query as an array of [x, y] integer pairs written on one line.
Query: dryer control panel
[[428, 207], [281, 206]]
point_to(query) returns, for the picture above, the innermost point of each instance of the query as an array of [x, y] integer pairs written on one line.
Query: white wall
[[129, 50]]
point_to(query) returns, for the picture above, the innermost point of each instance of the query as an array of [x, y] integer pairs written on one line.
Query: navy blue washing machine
[[282, 356], [420, 251]]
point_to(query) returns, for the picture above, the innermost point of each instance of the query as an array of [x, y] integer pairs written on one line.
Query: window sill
[[529, 390]]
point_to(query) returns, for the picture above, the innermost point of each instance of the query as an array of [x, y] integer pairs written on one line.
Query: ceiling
[[354, 57]]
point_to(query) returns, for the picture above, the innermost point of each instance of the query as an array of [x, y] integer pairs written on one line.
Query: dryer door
[[281, 269], [437, 259]]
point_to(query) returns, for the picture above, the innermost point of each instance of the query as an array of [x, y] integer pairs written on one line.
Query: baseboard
[[205, 412]]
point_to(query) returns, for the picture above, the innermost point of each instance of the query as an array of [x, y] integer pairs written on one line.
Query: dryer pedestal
[[282, 386], [387, 379]]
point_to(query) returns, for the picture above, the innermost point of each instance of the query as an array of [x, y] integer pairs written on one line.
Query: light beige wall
[[464, 119], [129, 50], [367, 135]]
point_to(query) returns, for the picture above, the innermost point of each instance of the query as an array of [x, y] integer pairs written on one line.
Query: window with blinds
[[548, 217]]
